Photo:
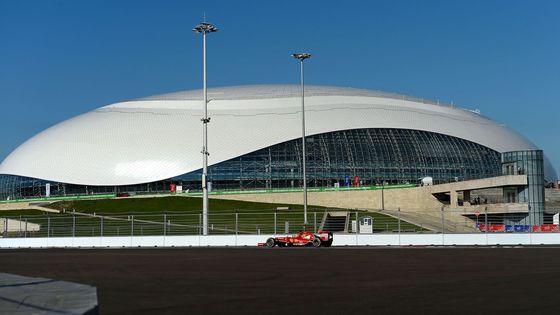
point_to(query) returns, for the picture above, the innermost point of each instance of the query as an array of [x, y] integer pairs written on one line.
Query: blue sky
[[59, 59]]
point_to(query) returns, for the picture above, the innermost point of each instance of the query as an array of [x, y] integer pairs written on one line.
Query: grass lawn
[[165, 204], [180, 216]]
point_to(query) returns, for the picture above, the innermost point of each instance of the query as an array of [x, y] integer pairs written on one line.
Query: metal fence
[[75, 224]]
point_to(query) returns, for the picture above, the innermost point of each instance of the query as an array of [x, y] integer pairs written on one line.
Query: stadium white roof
[[159, 137]]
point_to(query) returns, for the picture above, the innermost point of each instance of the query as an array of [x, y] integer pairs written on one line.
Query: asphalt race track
[[305, 280]]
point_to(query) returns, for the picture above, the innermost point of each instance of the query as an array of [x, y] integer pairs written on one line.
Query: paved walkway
[[26, 295]]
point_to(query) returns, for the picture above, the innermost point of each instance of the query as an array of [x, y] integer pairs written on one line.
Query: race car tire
[[270, 242], [327, 243], [316, 242]]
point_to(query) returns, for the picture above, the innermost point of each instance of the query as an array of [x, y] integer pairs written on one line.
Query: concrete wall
[[253, 240], [418, 198], [497, 208], [24, 206], [18, 226], [14, 206], [498, 181]]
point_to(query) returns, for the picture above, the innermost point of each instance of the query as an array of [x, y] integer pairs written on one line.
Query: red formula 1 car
[[321, 238]]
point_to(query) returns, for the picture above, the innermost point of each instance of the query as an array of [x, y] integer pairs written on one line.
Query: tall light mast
[[301, 57], [205, 28]]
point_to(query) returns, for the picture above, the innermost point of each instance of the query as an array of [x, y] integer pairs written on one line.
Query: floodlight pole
[[301, 57], [205, 28]]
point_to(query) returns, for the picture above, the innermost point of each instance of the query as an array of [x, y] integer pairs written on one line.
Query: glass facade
[[530, 163], [371, 156]]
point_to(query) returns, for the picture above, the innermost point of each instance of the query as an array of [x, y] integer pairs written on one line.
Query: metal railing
[[77, 224]]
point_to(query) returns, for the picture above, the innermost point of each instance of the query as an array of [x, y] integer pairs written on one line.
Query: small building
[[366, 225]]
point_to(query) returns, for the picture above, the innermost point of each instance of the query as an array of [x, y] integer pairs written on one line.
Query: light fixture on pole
[[301, 57], [205, 28]]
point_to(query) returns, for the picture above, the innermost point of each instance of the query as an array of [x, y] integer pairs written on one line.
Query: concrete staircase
[[335, 221]]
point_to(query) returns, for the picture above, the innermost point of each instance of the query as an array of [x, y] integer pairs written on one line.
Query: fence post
[[399, 220], [275, 222], [357, 223], [199, 224], [6, 227], [48, 226], [357, 227], [101, 228], [25, 227], [442, 222], [164, 224], [315, 222], [132, 225], [486, 224], [486, 218], [442, 226], [236, 226], [73, 225], [399, 224]]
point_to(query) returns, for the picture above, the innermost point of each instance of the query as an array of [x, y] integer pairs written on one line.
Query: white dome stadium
[[160, 137]]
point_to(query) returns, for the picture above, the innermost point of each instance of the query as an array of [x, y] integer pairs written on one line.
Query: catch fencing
[[275, 222]]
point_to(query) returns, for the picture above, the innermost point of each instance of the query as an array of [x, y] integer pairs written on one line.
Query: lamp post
[[383, 196], [205, 28], [301, 57]]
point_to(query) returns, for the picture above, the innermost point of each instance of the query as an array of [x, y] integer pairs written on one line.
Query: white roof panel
[[159, 137]]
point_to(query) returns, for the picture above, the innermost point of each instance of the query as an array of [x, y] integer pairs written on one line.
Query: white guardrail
[[253, 240]]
